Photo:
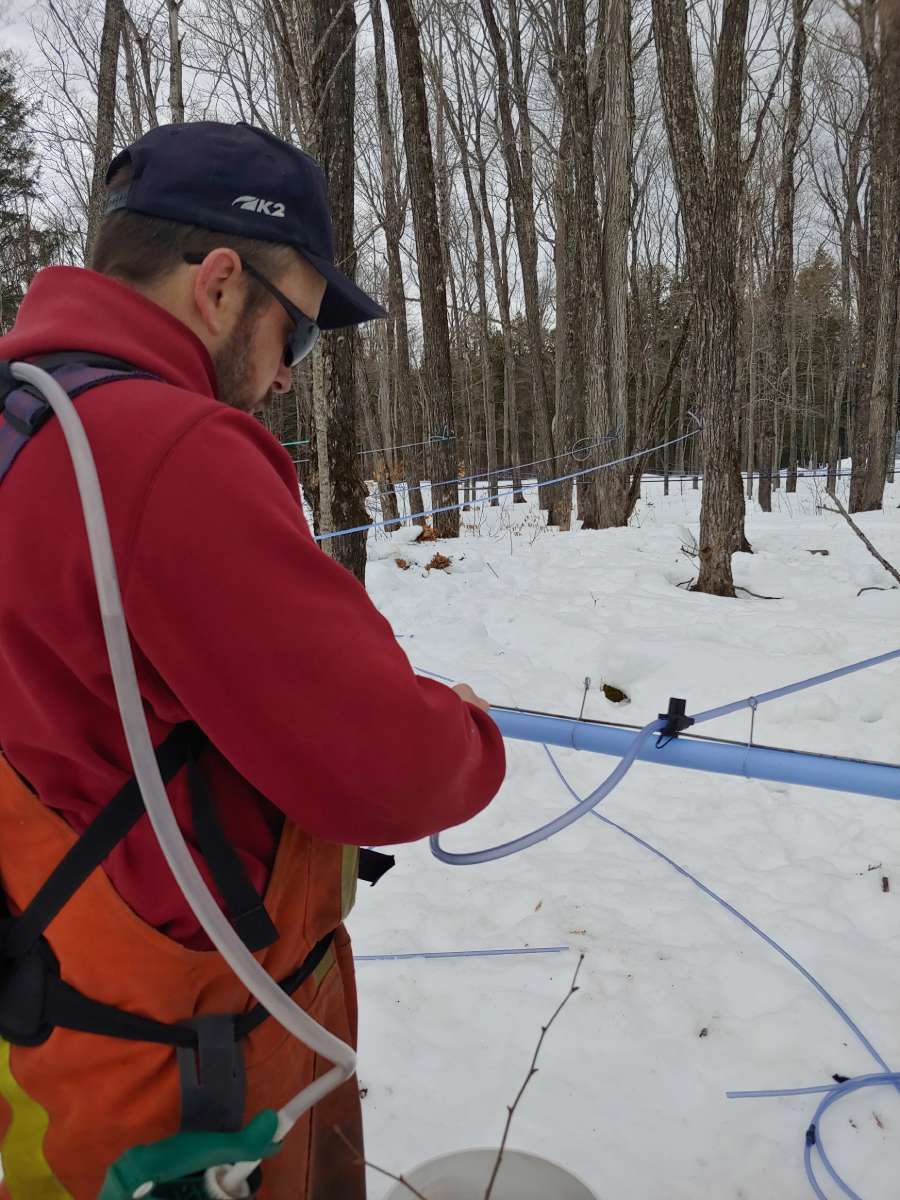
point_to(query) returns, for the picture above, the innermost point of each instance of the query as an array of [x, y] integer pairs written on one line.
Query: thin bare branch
[[532, 1071], [359, 1158]]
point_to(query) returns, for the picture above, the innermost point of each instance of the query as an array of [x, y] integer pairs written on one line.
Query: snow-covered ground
[[631, 1091]]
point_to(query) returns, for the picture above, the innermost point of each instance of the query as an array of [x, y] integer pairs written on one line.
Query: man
[[287, 719]]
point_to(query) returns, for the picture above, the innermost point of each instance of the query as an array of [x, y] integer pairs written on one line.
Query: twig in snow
[[532, 1071], [842, 512], [359, 1158], [892, 588], [756, 595], [685, 583], [491, 569]]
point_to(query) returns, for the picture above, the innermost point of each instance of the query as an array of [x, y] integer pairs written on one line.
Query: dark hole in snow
[[613, 694]]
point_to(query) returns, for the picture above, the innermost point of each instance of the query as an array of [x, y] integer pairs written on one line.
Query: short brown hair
[[142, 250]]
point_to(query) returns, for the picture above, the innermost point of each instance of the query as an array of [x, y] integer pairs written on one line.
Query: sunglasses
[[305, 333]]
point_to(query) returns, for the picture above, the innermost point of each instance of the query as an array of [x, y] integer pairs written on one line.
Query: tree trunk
[[573, 280], [841, 386], [783, 276], [330, 104], [793, 351], [394, 224], [432, 284], [885, 103], [895, 404], [106, 116], [608, 395], [710, 203], [517, 157], [131, 86], [684, 385], [510, 382], [385, 427], [457, 124], [868, 256], [176, 88], [751, 392]]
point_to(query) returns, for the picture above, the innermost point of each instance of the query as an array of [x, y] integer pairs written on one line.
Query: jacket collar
[[69, 308]]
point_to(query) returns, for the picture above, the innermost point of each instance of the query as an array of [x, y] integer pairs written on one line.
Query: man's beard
[[234, 374]]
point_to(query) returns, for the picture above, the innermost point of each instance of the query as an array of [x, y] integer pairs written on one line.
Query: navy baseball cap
[[244, 181]]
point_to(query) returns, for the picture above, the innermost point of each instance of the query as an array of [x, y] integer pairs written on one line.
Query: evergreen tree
[[24, 246]]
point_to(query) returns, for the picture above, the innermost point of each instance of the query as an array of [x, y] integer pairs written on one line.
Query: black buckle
[[23, 992], [676, 721]]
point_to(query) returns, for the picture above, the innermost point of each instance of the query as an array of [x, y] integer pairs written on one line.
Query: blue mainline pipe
[[699, 754]]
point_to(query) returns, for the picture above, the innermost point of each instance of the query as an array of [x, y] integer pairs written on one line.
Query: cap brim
[[343, 303]]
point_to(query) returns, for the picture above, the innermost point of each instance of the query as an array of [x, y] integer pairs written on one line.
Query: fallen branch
[[842, 512], [359, 1158], [532, 1071]]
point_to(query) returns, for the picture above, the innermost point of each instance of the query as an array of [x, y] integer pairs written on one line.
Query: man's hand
[[465, 693]]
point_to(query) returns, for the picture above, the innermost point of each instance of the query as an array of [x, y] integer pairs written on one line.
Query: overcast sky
[[15, 32]]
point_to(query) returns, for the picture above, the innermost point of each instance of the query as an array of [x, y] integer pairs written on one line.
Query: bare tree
[[176, 86], [879, 23], [516, 145], [398, 387], [332, 97], [710, 194], [783, 273], [432, 284], [106, 108], [608, 344]]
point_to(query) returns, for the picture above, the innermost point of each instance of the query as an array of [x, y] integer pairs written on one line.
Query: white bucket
[[465, 1176]]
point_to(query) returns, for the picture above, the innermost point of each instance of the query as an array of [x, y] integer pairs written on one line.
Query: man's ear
[[218, 290]]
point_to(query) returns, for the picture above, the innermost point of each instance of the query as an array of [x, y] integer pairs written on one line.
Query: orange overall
[[72, 1105]]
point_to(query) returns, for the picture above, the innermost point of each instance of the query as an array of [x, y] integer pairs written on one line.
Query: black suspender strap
[[243, 903], [247, 1022], [114, 822], [55, 1003]]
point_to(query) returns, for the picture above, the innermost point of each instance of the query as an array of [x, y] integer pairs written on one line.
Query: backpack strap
[[24, 411]]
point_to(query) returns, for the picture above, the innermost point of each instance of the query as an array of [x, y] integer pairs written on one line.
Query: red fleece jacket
[[238, 621]]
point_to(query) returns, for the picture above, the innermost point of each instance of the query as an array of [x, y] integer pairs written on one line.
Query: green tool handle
[[187, 1154]]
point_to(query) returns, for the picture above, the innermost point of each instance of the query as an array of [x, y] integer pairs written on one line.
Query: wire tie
[[754, 705]]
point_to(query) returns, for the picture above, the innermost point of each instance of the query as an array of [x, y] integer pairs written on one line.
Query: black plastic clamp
[[677, 721]]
